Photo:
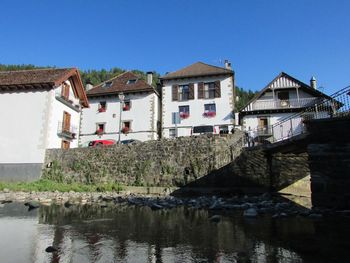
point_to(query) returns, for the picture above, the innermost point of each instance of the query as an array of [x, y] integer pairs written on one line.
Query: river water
[[138, 234]]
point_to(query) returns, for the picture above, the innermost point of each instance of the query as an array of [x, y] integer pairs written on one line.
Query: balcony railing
[[335, 106], [283, 104], [67, 132], [70, 102]]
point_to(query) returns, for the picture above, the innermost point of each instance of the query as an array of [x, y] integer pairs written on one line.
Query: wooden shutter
[[217, 89], [175, 92], [65, 90], [200, 90], [66, 121], [191, 91]]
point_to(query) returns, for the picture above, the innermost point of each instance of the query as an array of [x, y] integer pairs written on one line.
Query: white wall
[[56, 116], [23, 130], [142, 114], [224, 106], [289, 127]]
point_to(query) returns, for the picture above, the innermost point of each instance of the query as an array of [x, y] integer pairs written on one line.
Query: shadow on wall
[[255, 171]]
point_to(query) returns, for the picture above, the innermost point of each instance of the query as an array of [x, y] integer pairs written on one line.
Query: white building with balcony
[[202, 94], [39, 109], [132, 116], [282, 98]]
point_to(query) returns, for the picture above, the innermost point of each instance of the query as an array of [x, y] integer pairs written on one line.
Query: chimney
[[227, 65], [149, 77], [313, 83], [88, 86]]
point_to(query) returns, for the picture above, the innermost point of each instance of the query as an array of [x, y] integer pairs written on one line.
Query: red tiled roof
[[120, 84], [42, 79], [33, 76], [197, 69]]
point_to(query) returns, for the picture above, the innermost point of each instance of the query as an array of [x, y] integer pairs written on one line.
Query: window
[[172, 133], [184, 112], [131, 81], [100, 128], [283, 95], [209, 110], [102, 106], [184, 92], [107, 84], [209, 90], [126, 106], [126, 126]]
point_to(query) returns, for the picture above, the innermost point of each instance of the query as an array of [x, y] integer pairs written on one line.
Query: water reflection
[[138, 234]]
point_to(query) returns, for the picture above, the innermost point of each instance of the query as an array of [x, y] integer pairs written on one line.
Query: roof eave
[[197, 75], [117, 92]]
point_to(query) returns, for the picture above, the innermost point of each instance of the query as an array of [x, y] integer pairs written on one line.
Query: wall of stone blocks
[[166, 162], [330, 174]]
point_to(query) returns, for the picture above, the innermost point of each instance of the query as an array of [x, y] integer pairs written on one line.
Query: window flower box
[[102, 110], [125, 130], [99, 132], [209, 114], [184, 115]]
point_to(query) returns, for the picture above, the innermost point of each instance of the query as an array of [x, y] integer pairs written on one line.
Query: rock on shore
[[251, 206]]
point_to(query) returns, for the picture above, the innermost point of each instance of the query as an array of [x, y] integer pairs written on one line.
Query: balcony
[[72, 103], [66, 132], [283, 104]]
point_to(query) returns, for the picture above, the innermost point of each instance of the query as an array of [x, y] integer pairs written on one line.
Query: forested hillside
[[97, 76], [244, 97]]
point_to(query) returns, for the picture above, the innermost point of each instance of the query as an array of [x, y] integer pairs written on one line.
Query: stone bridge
[[312, 165]]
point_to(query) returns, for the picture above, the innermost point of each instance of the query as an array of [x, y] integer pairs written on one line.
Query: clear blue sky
[[304, 38]]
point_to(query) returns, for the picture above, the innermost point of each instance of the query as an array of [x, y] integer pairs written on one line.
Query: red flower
[[99, 131], [102, 109], [126, 107], [209, 114], [184, 115], [125, 130]]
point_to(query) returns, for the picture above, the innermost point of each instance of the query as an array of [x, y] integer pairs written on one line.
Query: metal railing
[[282, 104], [335, 106], [68, 132]]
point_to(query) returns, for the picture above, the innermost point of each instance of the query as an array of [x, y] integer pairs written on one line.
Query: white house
[[39, 109], [137, 113], [282, 98], [202, 94]]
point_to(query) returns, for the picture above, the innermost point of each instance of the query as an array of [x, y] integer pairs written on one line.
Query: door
[[263, 125], [66, 122], [283, 97], [65, 91], [65, 145]]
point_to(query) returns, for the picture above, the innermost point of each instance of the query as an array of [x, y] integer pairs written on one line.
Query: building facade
[[136, 114], [282, 98], [39, 109], [201, 95]]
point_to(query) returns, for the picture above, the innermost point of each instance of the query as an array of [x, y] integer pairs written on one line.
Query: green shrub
[[50, 185]]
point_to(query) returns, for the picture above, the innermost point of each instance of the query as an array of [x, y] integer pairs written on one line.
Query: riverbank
[[250, 206]]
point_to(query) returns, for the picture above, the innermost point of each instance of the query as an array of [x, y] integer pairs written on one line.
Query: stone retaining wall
[[165, 162]]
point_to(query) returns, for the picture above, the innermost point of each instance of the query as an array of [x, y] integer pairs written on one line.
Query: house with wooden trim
[[202, 95], [39, 109], [136, 115], [282, 98]]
